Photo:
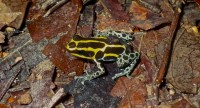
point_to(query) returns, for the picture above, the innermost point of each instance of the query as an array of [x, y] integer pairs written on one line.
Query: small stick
[[168, 48], [10, 81], [59, 94], [56, 4], [149, 6]]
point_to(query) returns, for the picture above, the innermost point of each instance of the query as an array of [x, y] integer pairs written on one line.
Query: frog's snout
[[71, 46]]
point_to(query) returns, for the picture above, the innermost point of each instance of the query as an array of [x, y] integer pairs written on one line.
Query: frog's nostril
[[72, 45]]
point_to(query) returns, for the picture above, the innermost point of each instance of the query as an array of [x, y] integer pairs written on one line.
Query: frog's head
[[72, 45], [75, 48]]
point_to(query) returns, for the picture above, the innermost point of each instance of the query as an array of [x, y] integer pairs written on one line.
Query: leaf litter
[[34, 62]]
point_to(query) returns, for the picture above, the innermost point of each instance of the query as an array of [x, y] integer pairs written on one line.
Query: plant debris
[[36, 70]]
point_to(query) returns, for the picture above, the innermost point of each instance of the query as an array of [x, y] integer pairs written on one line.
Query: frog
[[109, 46]]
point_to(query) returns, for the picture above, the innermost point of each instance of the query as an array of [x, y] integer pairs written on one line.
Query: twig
[[168, 47], [55, 5], [59, 94], [149, 6], [10, 81]]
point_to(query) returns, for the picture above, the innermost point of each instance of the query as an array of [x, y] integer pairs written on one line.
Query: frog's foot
[[134, 58], [89, 76], [117, 76], [92, 75], [82, 79], [122, 74], [86, 77]]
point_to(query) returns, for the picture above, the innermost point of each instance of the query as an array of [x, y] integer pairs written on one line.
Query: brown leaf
[[13, 12], [2, 37], [196, 80], [183, 103], [115, 9], [57, 52], [139, 12], [2, 25], [4, 106], [35, 11], [86, 21], [6, 15], [7, 18], [197, 1], [167, 10], [25, 99], [11, 99], [185, 62], [143, 18], [152, 46], [60, 59], [150, 69], [43, 26], [112, 24], [134, 92]]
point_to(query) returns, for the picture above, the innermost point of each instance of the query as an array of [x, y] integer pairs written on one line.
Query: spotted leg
[[118, 34], [132, 59], [93, 75]]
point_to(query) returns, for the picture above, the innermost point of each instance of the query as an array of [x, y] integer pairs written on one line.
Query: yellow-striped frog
[[110, 46]]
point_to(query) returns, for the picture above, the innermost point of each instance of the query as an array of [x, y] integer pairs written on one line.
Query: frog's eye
[[72, 45]]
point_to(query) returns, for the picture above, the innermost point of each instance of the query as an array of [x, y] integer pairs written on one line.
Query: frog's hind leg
[[92, 75], [130, 59], [118, 34]]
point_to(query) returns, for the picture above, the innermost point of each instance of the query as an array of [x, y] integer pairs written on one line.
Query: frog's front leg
[[92, 75], [130, 59]]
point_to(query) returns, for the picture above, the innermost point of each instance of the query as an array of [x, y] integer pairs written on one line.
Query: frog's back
[[99, 48]]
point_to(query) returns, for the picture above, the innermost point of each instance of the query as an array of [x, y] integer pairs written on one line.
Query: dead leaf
[[2, 37], [59, 58], [3, 10], [112, 24], [4, 106], [182, 104], [12, 12], [143, 18], [114, 8], [198, 2], [2, 25], [167, 10], [41, 88], [7, 18], [134, 93], [11, 99], [41, 67], [139, 12], [86, 22], [25, 99], [67, 18], [185, 62], [153, 42]]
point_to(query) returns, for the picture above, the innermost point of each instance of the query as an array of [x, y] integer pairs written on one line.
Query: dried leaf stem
[[168, 48]]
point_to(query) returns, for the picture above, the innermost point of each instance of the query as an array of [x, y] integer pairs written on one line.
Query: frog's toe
[[80, 79], [83, 82], [114, 77], [117, 76], [128, 76]]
